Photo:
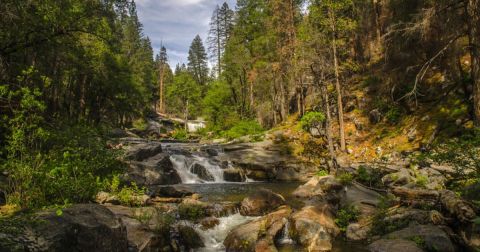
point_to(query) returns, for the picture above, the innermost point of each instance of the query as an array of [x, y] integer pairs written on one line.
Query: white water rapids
[[183, 166], [213, 238]]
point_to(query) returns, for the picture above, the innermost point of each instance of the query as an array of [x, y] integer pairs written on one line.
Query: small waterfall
[[285, 237], [213, 238], [183, 165]]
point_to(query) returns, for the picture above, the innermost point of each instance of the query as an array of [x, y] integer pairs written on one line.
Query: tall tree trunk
[[474, 36], [328, 131], [219, 45], [162, 98], [337, 83]]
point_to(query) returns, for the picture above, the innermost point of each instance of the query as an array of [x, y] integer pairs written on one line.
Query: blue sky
[[176, 23]]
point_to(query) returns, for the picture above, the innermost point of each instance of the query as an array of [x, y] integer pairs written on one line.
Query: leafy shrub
[[66, 170], [243, 128], [393, 115], [312, 120], [345, 216], [140, 124], [463, 154], [369, 176], [180, 134], [191, 211], [321, 173], [380, 223], [345, 178]]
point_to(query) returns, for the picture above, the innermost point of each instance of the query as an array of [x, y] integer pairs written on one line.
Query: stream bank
[[250, 197]]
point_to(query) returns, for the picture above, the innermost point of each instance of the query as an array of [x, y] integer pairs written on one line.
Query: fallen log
[[416, 194], [458, 208]]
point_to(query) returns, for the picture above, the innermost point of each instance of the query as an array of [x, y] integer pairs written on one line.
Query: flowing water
[[186, 156]]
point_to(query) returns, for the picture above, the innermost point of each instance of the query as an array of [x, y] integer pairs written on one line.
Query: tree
[[473, 10], [221, 26], [162, 62], [333, 19], [184, 94], [197, 61]]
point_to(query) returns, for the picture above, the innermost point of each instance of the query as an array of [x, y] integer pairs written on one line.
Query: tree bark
[[328, 130], [474, 37], [337, 83]]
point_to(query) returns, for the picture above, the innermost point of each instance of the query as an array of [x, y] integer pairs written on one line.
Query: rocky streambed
[[253, 197]]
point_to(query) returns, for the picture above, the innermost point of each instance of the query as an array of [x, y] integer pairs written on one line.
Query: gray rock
[[189, 238], [397, 245], [375, 116], [143, 151], [355, 232], [211, 152], [402, 177], [85, 227], [433, 238], [158, 170], [201, 172], [261, 202], [234, 175]]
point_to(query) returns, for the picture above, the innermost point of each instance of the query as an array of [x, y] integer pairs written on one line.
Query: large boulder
[[201, 172], [85, 227], [400, 178], [234, 175], [189, 238], [318, 186], [157, 170], [315, 228], [396, 245], [140, 152], [430, 236], [261, 202], [145, 230], [259, 234]]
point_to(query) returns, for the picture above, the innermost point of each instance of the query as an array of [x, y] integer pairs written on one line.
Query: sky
[[176, 22]]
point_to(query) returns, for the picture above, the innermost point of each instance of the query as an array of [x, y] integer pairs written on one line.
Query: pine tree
[[221, 26], [197, 61], [162, 66]]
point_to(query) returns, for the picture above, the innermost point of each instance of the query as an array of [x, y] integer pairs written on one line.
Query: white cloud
[[176, 22]]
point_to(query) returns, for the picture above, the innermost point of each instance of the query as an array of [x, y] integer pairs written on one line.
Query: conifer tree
[[197, 61]]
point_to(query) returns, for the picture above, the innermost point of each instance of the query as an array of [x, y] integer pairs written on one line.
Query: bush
[[243, 128], [345, 216], [369, 176], [191, 211], [180, 134], [67, 169], [312, 120], [321, 173], [345, 178]]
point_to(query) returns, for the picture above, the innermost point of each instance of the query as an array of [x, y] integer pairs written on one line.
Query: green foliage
[[243, 128], [131, 195], [345, 178], [191, 211], [321, 173], [463, 154], [345, 216], [67, 169], [369, 177], [312, 120], [217, 106], [184, 95], [380, 223], [180, 134], [393, 115], [419, 241]]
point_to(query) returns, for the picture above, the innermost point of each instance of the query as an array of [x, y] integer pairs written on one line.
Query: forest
[[380, 97]]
